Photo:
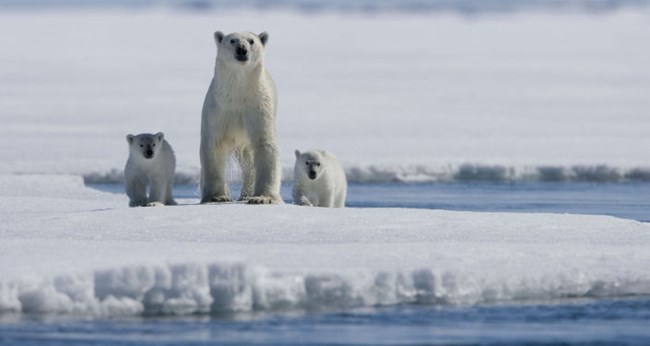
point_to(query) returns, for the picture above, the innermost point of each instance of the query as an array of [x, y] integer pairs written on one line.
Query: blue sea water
[[630, 200], [590, 322], [623, 321]]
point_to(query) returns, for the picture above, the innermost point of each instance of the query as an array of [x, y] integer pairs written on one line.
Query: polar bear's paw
[[155, 204], [305, 201], [264, 200], [216, 199]]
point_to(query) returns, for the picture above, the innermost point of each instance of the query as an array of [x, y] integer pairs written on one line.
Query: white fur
[[329, 187], [155, 174], [239, 117]]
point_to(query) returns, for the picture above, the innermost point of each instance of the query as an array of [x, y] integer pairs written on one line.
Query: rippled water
[[620, 322], [625, 200]]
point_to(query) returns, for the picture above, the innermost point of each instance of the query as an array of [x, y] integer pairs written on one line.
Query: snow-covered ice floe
[[66, 248]]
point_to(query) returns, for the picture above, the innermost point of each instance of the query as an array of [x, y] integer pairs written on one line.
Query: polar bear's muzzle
[[241, 54]]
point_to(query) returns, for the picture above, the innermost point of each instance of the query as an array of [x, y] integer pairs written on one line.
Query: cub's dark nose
[[149, 154], [312, 175]]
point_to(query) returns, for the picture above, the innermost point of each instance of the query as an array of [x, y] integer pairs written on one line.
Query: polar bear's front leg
[[136, 190], [213, 166], [169, 196], [156, 190], [298, 197], [328, 200], [267, 173], [304, 201], [339, 201], [160, 192], [245, 158]]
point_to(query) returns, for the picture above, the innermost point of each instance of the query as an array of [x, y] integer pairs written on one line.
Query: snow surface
[[395, 97], [65, 248]]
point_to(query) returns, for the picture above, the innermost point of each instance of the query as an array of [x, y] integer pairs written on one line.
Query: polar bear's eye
[[232, 41], [141, 145], [307, 163], [251, 42], [154, 144]]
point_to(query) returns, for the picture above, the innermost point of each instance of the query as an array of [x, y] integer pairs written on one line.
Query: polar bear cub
[[319, 180], [238, 118], [150, 168]]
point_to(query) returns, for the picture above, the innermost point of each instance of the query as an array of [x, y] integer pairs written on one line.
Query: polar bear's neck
[[233, 77], [236, 85]]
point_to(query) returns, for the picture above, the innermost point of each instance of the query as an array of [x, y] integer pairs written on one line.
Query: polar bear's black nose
[[312, 175], [241, 51], [149, 153]]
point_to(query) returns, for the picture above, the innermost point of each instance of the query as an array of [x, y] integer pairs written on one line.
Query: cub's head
[[242, 48], [145, 145], [309, 163]]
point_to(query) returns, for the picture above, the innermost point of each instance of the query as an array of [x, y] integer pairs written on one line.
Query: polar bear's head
[[309, 163], [243, 48], [145, 145]]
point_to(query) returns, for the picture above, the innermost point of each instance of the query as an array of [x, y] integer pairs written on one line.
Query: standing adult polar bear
[[239, 117]]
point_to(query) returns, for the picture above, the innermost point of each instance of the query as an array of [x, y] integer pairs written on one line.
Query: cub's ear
[[297, 153], [130, 138], [264, 37], [218, 36], [160, 136]]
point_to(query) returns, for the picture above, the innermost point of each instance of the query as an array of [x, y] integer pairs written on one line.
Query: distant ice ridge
[[215, 288], [497, 173], [460, 6], [451, 173]]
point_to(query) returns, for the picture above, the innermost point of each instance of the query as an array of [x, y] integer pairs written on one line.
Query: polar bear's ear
[[130, 138], [264, 37], [297, 153], [218, 36], [160, 136]]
